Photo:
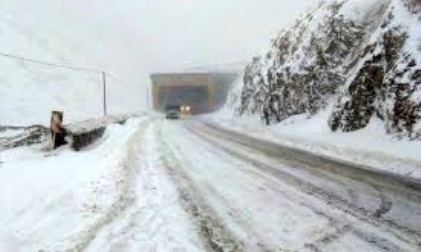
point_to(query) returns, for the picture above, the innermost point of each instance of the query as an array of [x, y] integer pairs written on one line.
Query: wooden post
[[104, 87], [56, 129]]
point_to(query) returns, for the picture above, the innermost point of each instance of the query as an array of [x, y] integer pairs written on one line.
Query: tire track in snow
[[213, 232], [124, 199], [232, 212], [373, 217], [155, 221]]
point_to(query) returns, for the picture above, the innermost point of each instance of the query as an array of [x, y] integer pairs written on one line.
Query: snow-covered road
[[158, 185]]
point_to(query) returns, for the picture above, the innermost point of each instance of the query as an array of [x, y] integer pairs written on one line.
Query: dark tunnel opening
[[197, 97]]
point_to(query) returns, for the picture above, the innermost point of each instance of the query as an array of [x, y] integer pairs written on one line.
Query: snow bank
[[367, 147], [52, 202]]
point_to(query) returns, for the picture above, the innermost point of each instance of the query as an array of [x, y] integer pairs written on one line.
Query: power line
[[49, 63], [103, 74], [60, 65], [112, 76]]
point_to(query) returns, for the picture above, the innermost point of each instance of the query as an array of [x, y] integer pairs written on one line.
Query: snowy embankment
[[81, 134], [56, 201], [367, 147], [344, 82], [357, 59]]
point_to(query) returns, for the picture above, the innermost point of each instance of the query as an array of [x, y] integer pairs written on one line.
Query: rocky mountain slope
[[358, 59]]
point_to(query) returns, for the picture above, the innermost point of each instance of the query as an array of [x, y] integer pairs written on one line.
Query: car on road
[[173, 115], [172, 112]]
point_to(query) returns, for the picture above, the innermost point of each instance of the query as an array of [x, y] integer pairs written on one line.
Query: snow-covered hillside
[[358, 59], [69, 33]]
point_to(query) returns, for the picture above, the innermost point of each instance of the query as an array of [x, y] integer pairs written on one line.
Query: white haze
[[133, 38]]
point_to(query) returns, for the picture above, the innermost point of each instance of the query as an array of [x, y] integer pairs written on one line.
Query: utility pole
[[104, 83], [148, 105]]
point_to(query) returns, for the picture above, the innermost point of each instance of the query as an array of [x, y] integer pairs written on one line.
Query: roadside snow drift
[[56, 202]]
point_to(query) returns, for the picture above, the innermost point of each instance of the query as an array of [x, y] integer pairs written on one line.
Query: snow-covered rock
[[363, 58]]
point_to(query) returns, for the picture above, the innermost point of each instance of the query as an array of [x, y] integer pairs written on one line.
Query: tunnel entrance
[[202, 92], [196, 97]]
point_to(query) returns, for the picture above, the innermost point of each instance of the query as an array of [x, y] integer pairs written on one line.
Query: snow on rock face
[[362, 55], [387, 79], [304, 65]]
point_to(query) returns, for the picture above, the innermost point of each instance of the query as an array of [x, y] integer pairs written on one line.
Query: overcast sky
[[178, 34], [154, 35], [133, 38]]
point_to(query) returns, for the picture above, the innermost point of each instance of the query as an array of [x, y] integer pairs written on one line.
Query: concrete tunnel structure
[[203, 92]]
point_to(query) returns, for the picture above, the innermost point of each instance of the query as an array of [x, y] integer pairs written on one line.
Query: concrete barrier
[[83, 134]]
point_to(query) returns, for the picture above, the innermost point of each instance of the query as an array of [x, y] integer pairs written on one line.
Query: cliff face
[[363, 58]]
